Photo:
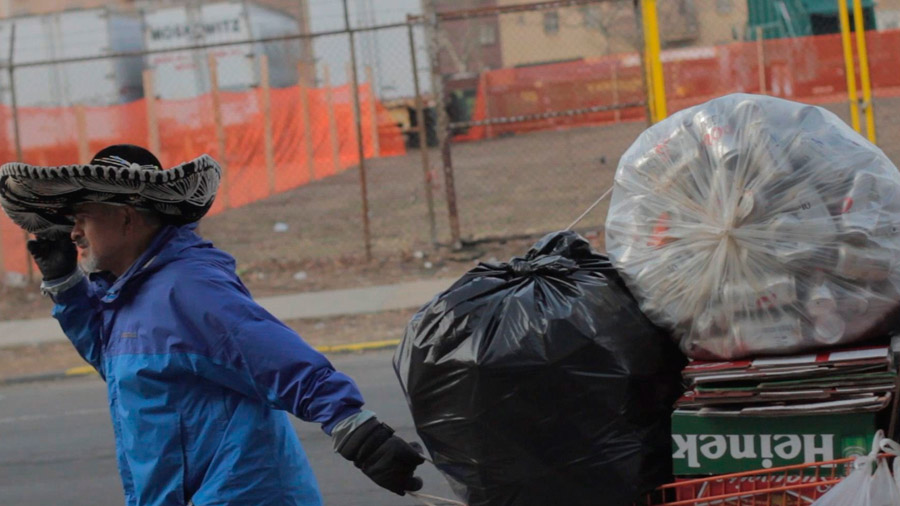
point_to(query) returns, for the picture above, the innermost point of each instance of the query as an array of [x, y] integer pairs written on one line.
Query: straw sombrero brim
[[39, 199]]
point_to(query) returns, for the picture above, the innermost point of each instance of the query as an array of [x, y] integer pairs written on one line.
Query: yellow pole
[[864, 69], [848, 63], [651, 38]]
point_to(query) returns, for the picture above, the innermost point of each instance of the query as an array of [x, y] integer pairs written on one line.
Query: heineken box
[[711, 444]]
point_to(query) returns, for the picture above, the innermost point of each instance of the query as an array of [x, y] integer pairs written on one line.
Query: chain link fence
[[469, 121], [318, 134], [542, 99]]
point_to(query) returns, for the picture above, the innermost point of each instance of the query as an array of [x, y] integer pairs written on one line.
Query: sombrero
[[39, 199]]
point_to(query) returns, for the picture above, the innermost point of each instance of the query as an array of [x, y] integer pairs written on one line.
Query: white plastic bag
[[850, 490], [752, 225], [883, 489], [862, 487]]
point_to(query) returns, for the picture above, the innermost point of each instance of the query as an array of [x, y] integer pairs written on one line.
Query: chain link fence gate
[[540, 100]]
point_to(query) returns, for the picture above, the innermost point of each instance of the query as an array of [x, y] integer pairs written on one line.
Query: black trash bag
[[539, 382]]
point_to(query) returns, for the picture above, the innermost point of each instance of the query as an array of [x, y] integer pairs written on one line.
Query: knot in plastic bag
[[552, 264]]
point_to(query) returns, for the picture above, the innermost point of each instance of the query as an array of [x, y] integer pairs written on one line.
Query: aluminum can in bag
[[669, 160], [716, 134], [803, 210], [768, 334], [821, 301], [867, 264], [829, 328], [859, 214], [786, 248], [853, 301], [888, 226], [644, 174], [775, 291], [685, 172]]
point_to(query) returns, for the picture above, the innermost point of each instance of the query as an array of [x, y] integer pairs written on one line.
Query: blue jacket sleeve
[[254, 353], [77, 310]]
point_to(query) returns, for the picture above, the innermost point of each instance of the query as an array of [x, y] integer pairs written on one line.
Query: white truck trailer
[[185, 74], [72, 34]]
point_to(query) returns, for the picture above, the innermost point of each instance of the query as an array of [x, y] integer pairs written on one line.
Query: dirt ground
[[311, 238]]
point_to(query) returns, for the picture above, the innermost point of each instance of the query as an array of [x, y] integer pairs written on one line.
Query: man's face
[[99, 233]]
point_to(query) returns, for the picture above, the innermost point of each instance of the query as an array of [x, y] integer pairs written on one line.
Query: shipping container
[[185, 74], [72, 34]]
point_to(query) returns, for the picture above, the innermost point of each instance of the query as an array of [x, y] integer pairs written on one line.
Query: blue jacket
[[199, 379]]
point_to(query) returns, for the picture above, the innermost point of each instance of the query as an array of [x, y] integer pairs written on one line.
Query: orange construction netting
[[809, 69], [307, 144]]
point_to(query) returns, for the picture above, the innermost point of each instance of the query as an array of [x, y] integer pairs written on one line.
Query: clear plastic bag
[[751, 225]]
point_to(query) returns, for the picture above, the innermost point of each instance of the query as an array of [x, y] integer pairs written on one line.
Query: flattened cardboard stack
[[768, 412], [854, 380]]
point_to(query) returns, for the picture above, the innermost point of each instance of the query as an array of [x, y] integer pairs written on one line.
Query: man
[[198, 375]]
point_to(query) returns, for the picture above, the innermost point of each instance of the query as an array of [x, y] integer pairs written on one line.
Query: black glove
[[385, 458], [56, 257]]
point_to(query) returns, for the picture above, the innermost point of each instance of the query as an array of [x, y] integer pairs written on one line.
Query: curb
[[86, 370]]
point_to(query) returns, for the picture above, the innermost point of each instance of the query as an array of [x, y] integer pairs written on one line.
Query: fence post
[[373, 113], [617, 115], [423, 133], [355, 111], [443, 121], [84, 155], [152, 120], [307, 126], [761, 59], [357, 115], [267, 121], [332, 124], [489, 127], [220, 127], [18, 138]]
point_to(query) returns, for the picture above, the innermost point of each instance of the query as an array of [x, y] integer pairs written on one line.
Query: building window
[[591, 17], [487, 35], [724, 6], [551, 22]]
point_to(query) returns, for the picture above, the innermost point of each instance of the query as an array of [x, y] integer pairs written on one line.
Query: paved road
[[56, 443]]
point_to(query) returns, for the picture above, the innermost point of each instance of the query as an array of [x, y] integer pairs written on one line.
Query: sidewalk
[[285, 307]]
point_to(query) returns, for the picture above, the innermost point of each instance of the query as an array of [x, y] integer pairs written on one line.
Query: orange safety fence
[[809, 69], [302, 150]]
